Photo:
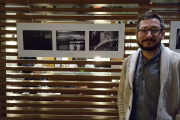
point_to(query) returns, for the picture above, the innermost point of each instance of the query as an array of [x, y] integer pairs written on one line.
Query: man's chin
[[149, 48]]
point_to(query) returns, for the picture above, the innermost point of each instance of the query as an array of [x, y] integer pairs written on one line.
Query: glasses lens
[[143, 31], [155, 31]]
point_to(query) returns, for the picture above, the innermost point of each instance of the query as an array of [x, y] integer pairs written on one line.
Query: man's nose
[[149, 33]]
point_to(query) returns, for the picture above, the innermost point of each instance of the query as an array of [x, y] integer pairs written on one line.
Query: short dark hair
[[148, 15]]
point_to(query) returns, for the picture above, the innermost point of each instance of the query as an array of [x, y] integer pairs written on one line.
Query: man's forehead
[[151, 22]]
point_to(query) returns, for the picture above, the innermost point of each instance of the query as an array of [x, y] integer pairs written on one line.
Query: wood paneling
[[57, 93]]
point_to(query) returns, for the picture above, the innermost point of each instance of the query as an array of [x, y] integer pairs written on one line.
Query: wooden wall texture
[[94, 96]]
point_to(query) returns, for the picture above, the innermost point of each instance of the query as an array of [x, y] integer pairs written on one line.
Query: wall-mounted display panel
[[70, 40]]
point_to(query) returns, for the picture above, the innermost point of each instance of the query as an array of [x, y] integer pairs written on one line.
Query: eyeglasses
[[144, 31]]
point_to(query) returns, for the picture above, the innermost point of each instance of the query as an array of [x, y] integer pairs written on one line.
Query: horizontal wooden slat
[[79, 69], [63, 62], [127, 31], [169, 13], [8, 46], [8, 31], [48, 117], [130, 41], [3, 24], [7, 39], [62, 77], [9, 53], [76, 1], [171, 19], [135, 48], [14, 25], [50, 17], [93, 98], [89, 91], [21, 9], [59, 104], [130, 25], [166, 37], [131, 48], [135, 41], [59, 111], [160, 5], [7, 24], [166, 21], [92, 84]]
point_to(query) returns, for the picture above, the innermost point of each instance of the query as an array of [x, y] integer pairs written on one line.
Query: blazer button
[[129, 107]]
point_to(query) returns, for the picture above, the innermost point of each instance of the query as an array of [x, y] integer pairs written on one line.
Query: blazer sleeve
[[178, 115], [121, 91]]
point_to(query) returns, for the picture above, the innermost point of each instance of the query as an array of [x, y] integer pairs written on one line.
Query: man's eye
[[155, 30], [143, 30]]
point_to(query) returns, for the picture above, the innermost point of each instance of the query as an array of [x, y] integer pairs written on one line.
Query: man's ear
[[136, 33], [163, 34]]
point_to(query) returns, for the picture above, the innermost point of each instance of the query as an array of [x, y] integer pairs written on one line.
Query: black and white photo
[[70, 40], [174, 42], [103, 40], [178, 39], [37, 40]]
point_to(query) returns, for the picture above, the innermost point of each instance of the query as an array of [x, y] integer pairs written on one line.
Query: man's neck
[[149, 54]]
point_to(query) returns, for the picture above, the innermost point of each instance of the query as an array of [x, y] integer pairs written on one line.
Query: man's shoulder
[[135, 55], [175, 55], [128, 58]]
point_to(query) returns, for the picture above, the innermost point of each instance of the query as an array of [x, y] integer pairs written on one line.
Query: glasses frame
[[160, 31]]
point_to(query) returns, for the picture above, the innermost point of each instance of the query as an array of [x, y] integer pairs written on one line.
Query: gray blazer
[[169, 98]]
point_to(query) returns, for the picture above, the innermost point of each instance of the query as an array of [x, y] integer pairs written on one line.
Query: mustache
[[152, 40]]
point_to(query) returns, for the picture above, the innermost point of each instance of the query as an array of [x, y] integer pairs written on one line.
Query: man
[[150, 88]]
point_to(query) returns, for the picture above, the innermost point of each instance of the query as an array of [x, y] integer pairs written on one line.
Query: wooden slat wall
[[94, 96]]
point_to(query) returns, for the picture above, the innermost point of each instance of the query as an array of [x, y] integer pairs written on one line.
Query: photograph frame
[[175, 36], [70, 27]]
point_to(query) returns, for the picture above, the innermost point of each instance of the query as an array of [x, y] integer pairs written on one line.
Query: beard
[[149, 48]]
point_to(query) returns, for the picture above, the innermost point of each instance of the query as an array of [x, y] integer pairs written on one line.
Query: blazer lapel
[[132, 66], [164, 65]]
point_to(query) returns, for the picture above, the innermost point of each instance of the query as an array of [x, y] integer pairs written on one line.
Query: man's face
[[149, 41]]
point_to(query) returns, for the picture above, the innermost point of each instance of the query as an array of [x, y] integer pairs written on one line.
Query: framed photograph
[[37, 40], [103, 40], [70, 40], [175, 36]]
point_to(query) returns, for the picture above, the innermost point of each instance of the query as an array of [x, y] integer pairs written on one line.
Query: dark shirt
[[146, 88]]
